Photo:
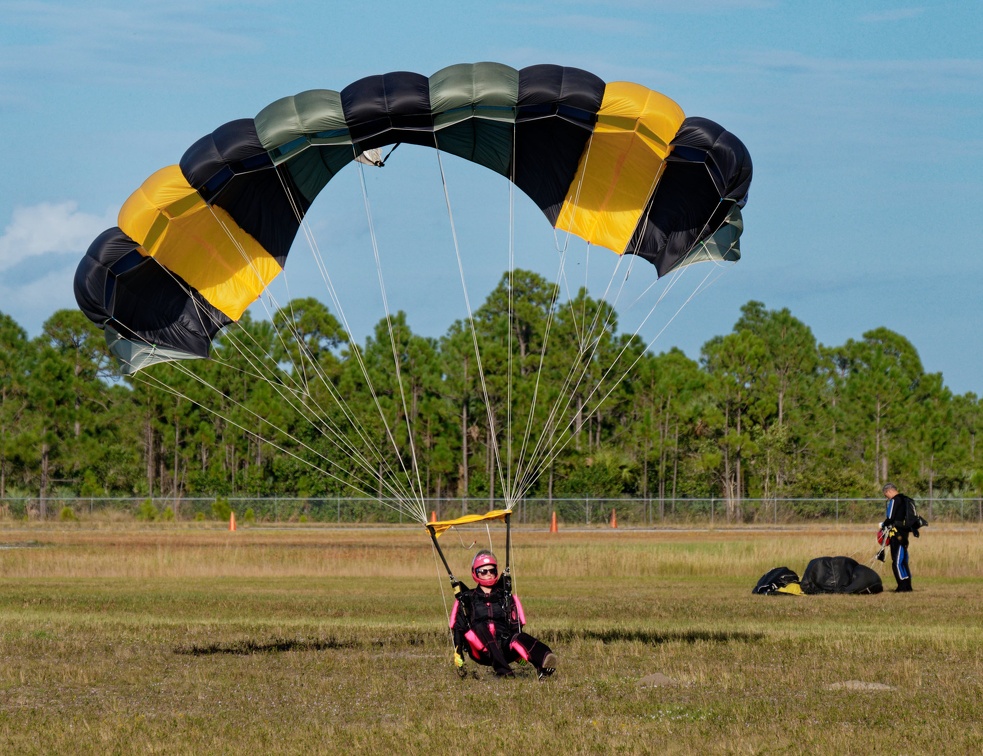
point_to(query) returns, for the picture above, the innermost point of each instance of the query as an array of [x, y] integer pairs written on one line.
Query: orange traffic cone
[[232, 521], [614, 518], [553, 528], [433, 516]]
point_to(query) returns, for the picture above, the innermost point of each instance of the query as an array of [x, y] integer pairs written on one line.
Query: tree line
[[765, 411]]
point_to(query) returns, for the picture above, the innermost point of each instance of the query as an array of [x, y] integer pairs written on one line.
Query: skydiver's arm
[[520, 614], [459, 621], [889, 513]]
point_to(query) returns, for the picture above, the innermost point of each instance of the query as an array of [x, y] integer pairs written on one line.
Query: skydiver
[[895, 530], [487, 623]]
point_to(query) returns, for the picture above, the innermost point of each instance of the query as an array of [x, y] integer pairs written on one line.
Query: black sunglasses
[[486, 571]]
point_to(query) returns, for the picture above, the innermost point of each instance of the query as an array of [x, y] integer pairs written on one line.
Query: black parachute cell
[[556, 111], [387, 109], [707, 173], [115, 285]]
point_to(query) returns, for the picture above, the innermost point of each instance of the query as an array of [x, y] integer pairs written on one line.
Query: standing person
[[487, 623], [895, 528]]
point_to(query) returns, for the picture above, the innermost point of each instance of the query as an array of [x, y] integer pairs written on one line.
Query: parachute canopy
[[839, 574], [616, 164], [828, 574]]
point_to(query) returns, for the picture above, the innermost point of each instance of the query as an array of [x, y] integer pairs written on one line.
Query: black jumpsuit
[[488, 626]]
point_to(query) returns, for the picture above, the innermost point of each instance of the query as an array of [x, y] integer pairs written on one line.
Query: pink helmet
[[484, 558]]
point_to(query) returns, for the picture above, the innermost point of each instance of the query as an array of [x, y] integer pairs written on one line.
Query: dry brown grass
[[189, 639], [205, 551]]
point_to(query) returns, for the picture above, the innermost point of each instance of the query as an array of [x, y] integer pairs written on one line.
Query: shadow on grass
[[279, 645], [621, 635], [653, 638]]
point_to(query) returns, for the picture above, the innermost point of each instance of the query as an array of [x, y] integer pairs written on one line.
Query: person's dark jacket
[[474, 607], [896, 514]]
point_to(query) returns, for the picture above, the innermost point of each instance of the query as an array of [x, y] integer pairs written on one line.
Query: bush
[[199, 516], [67, 514], [221, 508], [147, 512], [249, 515], [167, 515]]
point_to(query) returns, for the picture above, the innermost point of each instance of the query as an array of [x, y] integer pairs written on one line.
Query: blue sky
[[862, 118]]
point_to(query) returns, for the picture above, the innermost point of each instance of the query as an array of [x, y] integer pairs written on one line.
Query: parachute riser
[[507, 574], [454, 581]]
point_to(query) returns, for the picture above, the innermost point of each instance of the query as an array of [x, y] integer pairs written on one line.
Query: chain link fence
[[572, 512]]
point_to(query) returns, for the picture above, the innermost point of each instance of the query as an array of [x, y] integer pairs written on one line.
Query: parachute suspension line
[[339, 439], [443, 596], [302, 406], [586, 341], [474, 332], [506, 474], [553, 445], [654, 182], [228, 332], [327, 430], [281, 431], [700, 287], [270, 300], [557, 449], [518, 481], [590, 343], [391, 151], [415, 467], [411, 498], [563, 250], [408, 495], [159, 384], [522, 476]]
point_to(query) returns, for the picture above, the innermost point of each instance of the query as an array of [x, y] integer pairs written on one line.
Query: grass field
[[190, 639]]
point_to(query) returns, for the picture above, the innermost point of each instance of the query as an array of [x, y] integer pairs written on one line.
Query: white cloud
[[49, 227], [31, 304]]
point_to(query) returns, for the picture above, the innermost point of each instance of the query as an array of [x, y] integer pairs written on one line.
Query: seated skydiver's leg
[[535, 652]]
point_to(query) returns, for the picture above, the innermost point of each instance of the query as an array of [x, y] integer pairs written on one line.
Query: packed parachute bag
[[839, 574], [914, 521], [778, 581]]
